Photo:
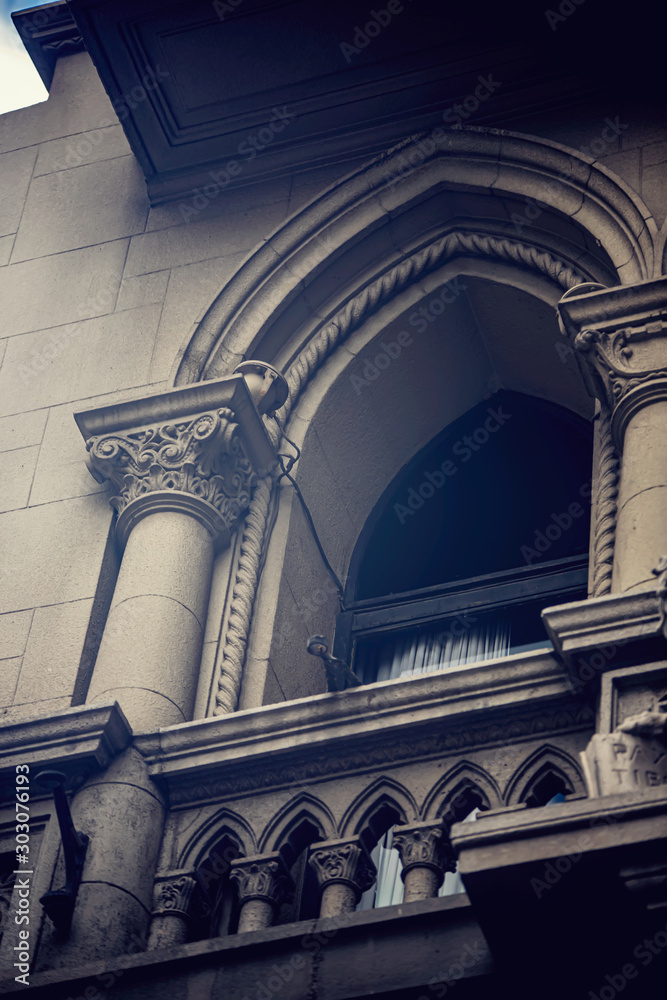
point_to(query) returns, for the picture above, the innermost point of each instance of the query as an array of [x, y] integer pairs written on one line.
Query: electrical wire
[[287, 462]]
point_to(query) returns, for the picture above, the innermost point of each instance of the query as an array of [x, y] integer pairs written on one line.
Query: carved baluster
[[262, 883], [344, 871], [425, 856]]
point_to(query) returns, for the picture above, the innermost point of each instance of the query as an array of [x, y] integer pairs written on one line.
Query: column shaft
[[337, 899], [151, 648], [123, 814], [641, 529], [421, 883], [256, 914]]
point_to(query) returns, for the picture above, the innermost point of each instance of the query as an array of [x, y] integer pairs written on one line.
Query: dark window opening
[[486, 527], [548, 788]]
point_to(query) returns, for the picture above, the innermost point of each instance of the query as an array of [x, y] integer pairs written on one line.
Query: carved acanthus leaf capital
[[343, 861], [198, 461], [620, 337], [178, 894], [265, 878], [424, 845]]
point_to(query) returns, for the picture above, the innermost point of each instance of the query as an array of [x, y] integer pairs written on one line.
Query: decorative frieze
[[243, 777]]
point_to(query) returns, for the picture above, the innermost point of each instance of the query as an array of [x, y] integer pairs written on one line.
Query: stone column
[[425, 856], [177, 903], [183, 464], [262, 884], [344, 871], [620, 336], [181, 487]]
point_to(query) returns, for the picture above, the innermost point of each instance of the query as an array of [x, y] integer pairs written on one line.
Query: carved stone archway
[[283, 306]]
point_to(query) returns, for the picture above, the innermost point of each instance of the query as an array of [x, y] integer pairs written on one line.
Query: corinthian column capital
[[344, 862], [423, 845], [263, 883], [620, 336], [197, 450], [178, 894]]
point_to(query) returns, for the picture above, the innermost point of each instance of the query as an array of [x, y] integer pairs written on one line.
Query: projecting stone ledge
[[364, 954], [78, 742]]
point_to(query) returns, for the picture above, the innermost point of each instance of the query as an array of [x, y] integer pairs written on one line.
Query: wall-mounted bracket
[[59, 903]]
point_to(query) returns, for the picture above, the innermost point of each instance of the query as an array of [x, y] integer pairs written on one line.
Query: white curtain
[[388, 888], [417, 652]]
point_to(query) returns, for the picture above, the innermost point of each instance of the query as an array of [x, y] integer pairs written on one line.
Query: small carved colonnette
[[178, 894], [266, 879], [263, 878], [343, 862]]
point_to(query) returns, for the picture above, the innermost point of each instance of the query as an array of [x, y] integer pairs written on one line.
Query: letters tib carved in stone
[[343, 862], [423, 845], [261, 878], [200, 456]]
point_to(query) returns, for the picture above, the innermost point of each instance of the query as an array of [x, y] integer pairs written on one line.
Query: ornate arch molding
[[544, 759], [474, 160], [455, 788]]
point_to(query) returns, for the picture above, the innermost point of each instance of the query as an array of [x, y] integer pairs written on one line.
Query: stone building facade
[[329, 321]]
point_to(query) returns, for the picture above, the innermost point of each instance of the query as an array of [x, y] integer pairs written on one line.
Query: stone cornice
[[197, 450], [609, 814], [617, 620], [179, 404], [48, 33], [364, 728], [620, 335], [77, 741]]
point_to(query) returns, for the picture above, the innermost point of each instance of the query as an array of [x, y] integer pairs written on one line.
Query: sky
[[20, 84]]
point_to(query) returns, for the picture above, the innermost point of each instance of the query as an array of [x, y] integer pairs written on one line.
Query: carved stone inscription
[[622, 762]]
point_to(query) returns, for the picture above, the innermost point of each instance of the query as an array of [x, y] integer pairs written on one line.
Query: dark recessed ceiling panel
[[271, 85]]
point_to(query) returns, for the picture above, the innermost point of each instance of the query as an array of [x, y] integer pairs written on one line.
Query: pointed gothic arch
[[385, 803], [302, 821], [223, 823], [464, 787], [380, 210], [326, 287], [545, 772]]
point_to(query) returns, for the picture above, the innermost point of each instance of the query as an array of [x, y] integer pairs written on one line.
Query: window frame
[[556, 581]]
